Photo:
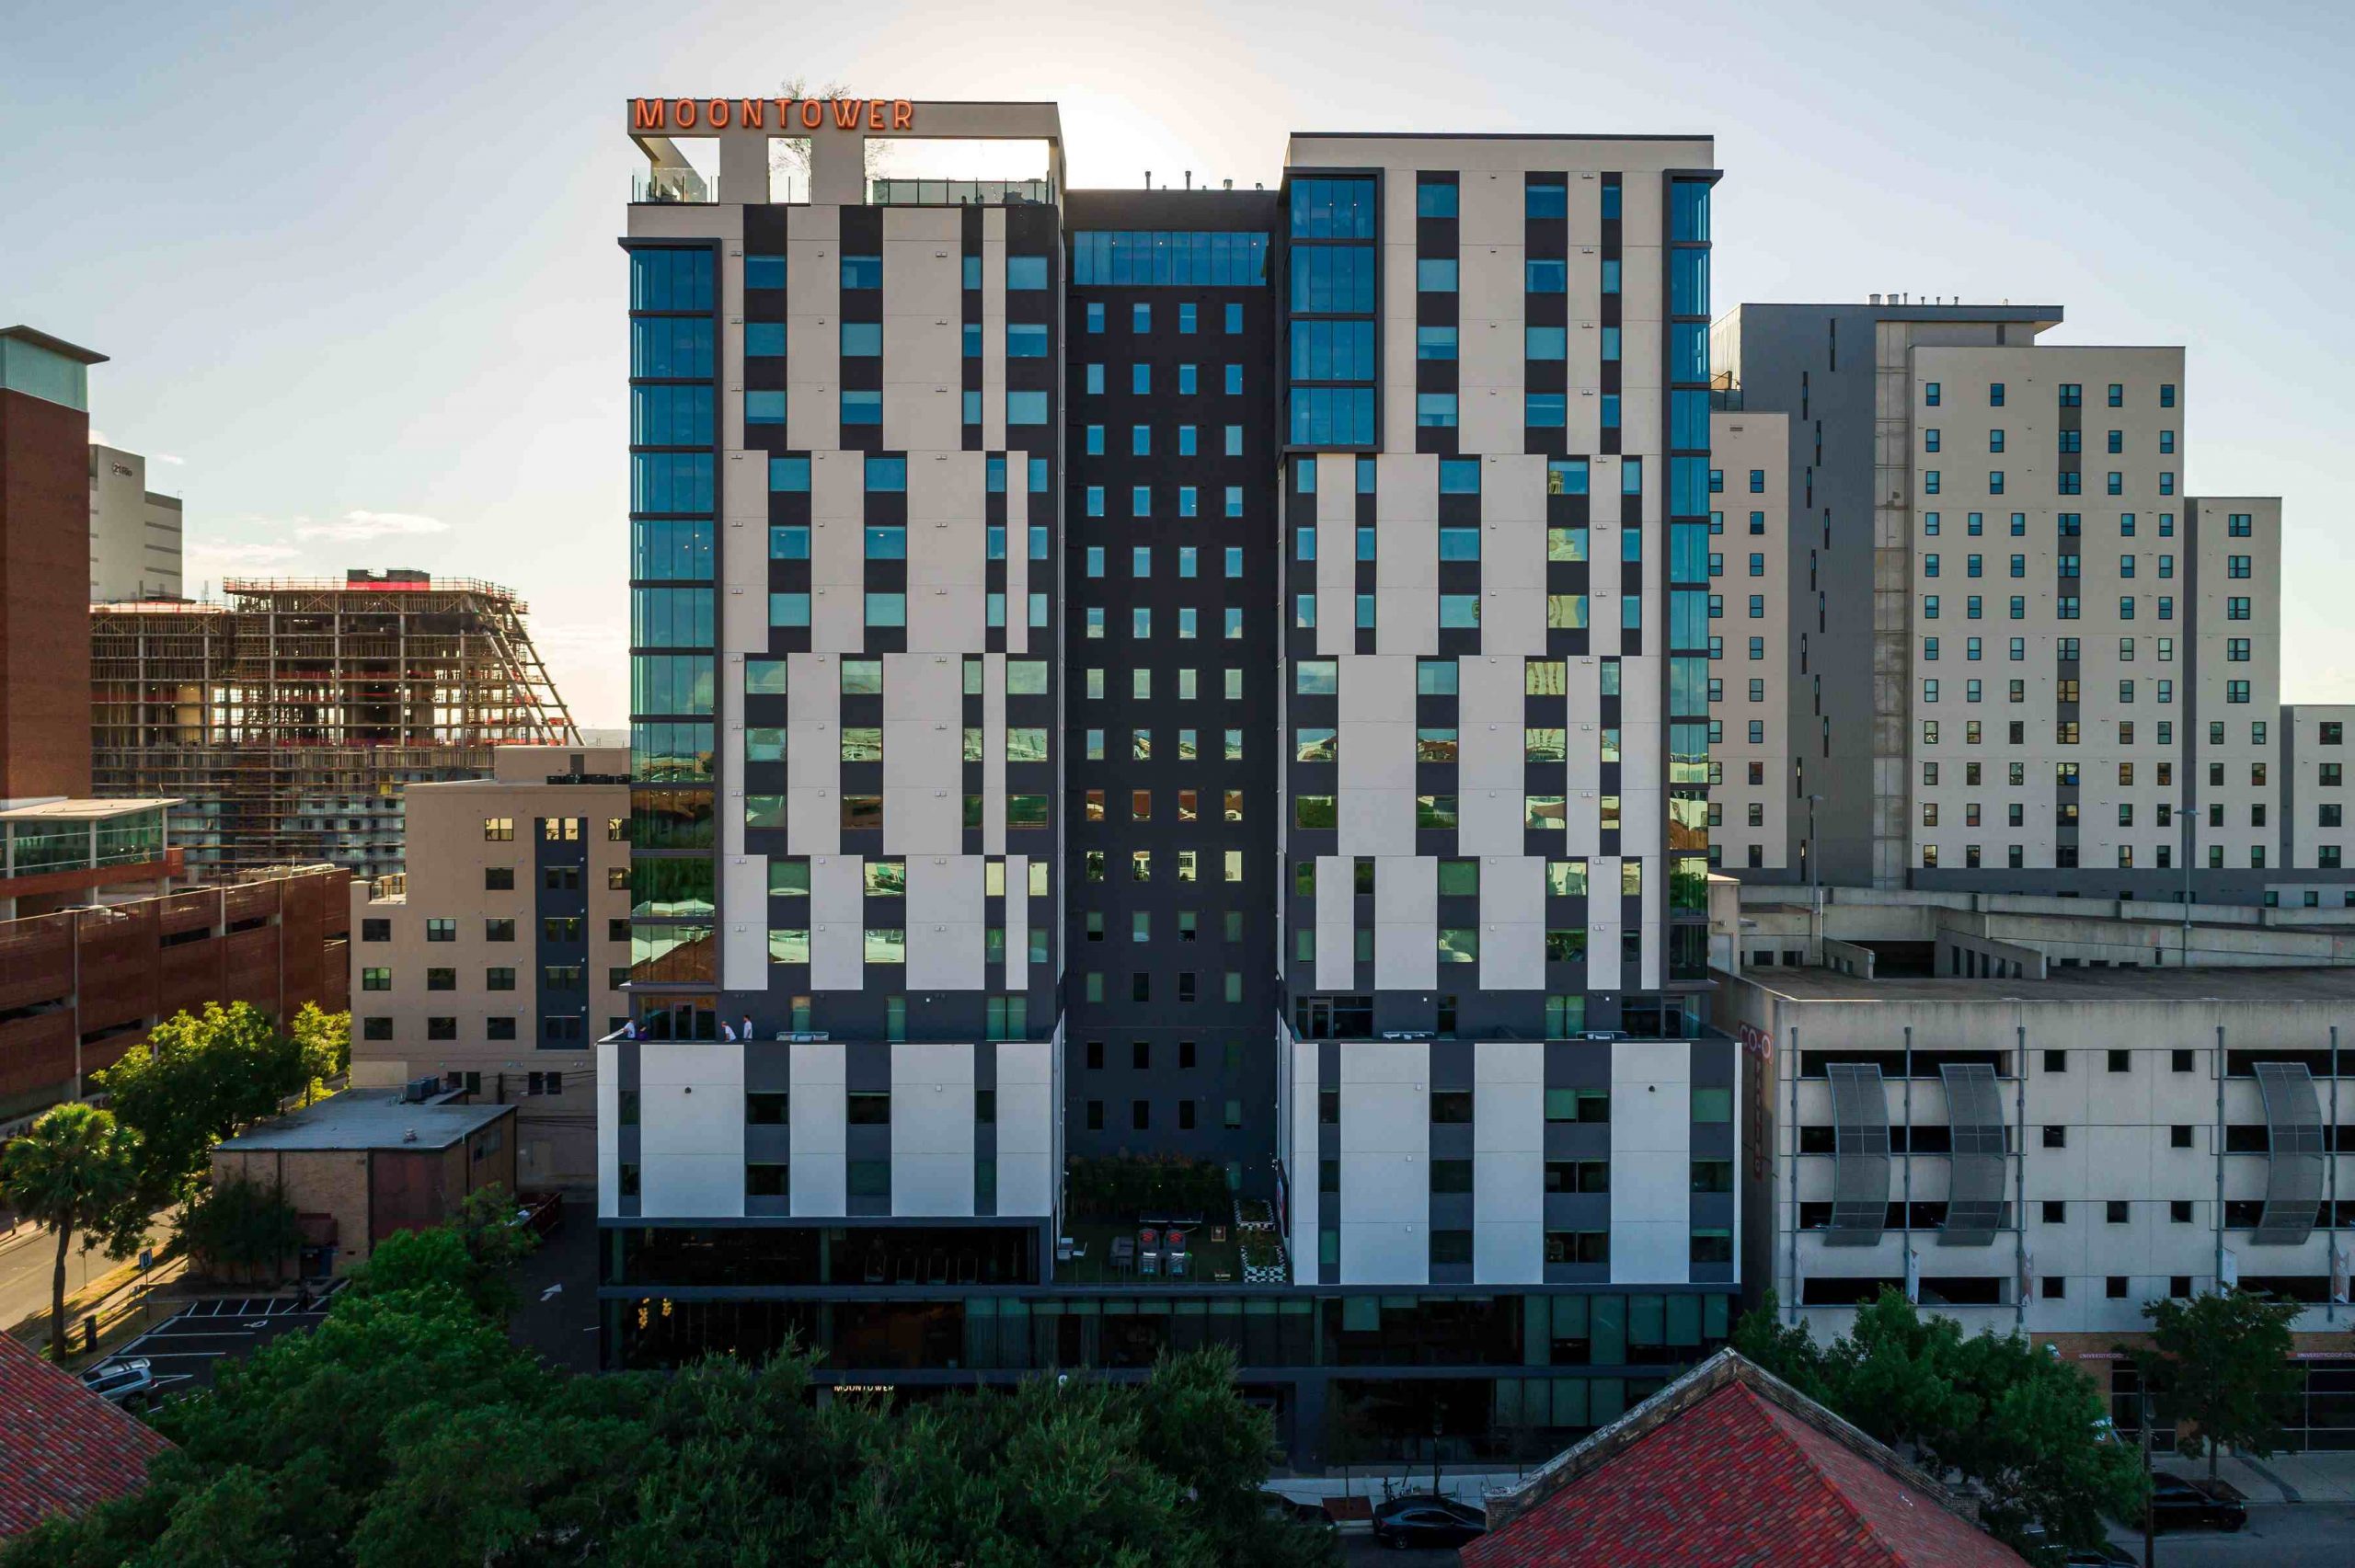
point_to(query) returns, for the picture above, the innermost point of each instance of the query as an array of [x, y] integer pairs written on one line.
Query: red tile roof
[[1743, 1475], [62, 1448]]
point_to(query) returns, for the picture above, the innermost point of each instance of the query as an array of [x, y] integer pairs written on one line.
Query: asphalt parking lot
[[182, 1351]]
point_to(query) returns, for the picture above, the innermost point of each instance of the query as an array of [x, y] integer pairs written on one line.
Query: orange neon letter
[[753, 113], [875, 114], [813, 114], [846, 114], [903, 114], [715, 115], [686, 114], [647, 114]]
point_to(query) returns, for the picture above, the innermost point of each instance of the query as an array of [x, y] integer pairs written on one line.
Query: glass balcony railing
[[667, 186], [960, 192]]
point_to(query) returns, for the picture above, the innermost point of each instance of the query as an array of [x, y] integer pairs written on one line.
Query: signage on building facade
[[759, 114]]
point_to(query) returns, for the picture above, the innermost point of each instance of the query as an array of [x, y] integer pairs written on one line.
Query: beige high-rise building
[[496, 960], [135, 537]]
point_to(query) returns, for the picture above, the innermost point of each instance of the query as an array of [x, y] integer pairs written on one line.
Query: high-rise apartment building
[[2069, 678], [136, 535], [1173, 712]]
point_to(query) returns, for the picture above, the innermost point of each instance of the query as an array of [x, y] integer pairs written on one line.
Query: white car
[[121, 1382]]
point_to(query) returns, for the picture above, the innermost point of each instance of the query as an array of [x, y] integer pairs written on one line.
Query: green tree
[[322, 1043], [71, 1172], [241, 1228], [468, 1257], [2221, 1362], [197, 1079], [2020, 1426]]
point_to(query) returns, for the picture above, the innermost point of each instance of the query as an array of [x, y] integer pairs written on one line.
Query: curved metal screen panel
[[1860, 1155], [1975, 1116], [2293, 1169]]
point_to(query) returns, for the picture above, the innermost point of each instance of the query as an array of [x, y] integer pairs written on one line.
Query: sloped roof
[[62, 1448], [1731, 1466]]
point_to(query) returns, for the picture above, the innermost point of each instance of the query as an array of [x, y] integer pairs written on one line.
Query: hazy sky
[[355, 264]]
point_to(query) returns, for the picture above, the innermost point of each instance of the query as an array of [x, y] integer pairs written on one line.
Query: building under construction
[[287, 719]]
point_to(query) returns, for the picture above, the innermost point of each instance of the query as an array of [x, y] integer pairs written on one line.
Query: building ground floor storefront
[[2322, 1414], [1507, 1375]]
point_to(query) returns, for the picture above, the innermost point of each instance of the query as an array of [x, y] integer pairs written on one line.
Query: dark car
[[1311, 1513], [2184, 1503], [1427, 1521]]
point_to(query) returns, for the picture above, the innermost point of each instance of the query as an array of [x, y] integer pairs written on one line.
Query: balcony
[[663, 187], [960, 192]]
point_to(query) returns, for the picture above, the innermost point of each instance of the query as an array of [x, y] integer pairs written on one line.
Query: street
[[27, 1257], [2280, 1535]]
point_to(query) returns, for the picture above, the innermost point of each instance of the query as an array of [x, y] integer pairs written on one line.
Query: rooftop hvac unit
[[417, 1091]]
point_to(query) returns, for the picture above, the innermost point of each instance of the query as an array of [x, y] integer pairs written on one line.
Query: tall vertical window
[[1331, 284]]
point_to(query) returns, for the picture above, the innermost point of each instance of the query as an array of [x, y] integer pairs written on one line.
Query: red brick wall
[[44, 598]]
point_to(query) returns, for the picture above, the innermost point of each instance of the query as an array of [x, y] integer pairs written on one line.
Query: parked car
[[121, 1382], [2109, 1554], [1427, 1521], [2188, 1503]]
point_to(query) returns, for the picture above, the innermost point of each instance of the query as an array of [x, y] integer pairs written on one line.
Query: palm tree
[[70, 1171]]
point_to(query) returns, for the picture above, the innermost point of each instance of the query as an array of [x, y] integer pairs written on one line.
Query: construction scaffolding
[[288, 719]]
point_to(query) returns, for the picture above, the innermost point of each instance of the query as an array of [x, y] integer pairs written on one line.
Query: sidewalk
[[2319, 1477]]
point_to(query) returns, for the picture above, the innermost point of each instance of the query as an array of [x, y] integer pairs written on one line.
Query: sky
[[355, 265]]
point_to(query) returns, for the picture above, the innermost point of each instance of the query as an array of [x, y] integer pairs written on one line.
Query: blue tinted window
[[1611, 201], [887, 609], [764, 407], [670, 346], [862, 340], [1547, 342], [1026, 271], [887, 474], [1140, 440], [1610, 277], [1435, 199], [862, 271], [790, 542], [670, 481], [1688, 209], [1332, 209], [1688, 350], [862, 407], [670, 279], [1631, 475], [1547, 202], [1565, 476], [1435, 410], [1304, 475], [1140, 501], [1548, 410], [1234, 319], [1333, 277], [1688, 485], [1333, 350], [1688, 420], [1026, 407], [670, 617], [1095, 500], [1233, 380], [1609, 410], [1688, 282], [1026, 340], [1164, 257], [764, 271], [972, 335], [1140, 317], [972, 271], [1368, 474], [789, 475], [1435, 275], [1332, 416], [673, 549], [1037, 470], [1095, 315], [1459, 476], [885, 543], [1433, 343], [764, 339], [971, 406], [1141, 377], [1548, 277], [1610, 342], [1186, 318], [670, 416], [992, 476]]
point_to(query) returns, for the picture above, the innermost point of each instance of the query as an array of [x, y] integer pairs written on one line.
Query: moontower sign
[[754, 114]]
